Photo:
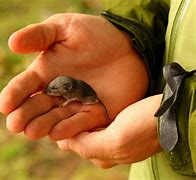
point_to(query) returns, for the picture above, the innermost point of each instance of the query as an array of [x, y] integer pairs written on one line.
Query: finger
[[41, 126], [87, 145], [64, 145], [38, 37], [90, 117], [18, 89], [33, 38], [70, 127], [31, 108]]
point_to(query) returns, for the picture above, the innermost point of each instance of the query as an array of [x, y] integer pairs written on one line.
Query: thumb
[[33, 38], [87, 145]]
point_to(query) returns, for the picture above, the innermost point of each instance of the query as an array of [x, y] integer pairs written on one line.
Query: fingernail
[[63, 145]]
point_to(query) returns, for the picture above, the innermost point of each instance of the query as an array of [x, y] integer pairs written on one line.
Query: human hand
[[84, 47], [131, 137]]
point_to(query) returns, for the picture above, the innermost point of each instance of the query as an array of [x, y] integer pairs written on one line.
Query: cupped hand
[[84, 47], [130, 138]]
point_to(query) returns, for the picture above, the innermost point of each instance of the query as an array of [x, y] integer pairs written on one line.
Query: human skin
[[85, 47], [130, 138]]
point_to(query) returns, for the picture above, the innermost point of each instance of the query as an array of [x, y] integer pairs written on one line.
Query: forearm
[[142, 21]]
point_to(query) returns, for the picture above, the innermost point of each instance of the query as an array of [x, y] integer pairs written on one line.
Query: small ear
[[67, 86]]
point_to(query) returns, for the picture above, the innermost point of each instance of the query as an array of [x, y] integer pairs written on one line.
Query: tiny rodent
[[73, 90]]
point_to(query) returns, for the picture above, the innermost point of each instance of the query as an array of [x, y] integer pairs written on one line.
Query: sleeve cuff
[[142, 23]]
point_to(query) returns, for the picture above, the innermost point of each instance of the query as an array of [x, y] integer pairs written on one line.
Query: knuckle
[[24, 79], [84, 154], [116, 147], [116, 144], [57, 113], [56, 16], [38, 102], [84, 150], [41, 102]]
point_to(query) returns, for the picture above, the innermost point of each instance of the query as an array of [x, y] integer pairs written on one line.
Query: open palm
[[84, 47]]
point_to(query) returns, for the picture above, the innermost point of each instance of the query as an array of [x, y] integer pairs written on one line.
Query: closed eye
[[54, 88]]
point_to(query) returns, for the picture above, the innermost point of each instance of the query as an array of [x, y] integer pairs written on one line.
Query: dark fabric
[[146, 23]]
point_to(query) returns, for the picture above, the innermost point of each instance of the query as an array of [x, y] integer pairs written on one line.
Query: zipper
[[155, 171], [176, 27]]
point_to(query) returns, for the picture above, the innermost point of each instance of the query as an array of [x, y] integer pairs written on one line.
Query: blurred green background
[[20, 158]]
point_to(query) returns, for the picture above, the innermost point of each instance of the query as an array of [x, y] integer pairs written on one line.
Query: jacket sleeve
[[146, 22]]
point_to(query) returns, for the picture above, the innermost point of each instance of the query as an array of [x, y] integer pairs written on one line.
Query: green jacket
[[163, 32]]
